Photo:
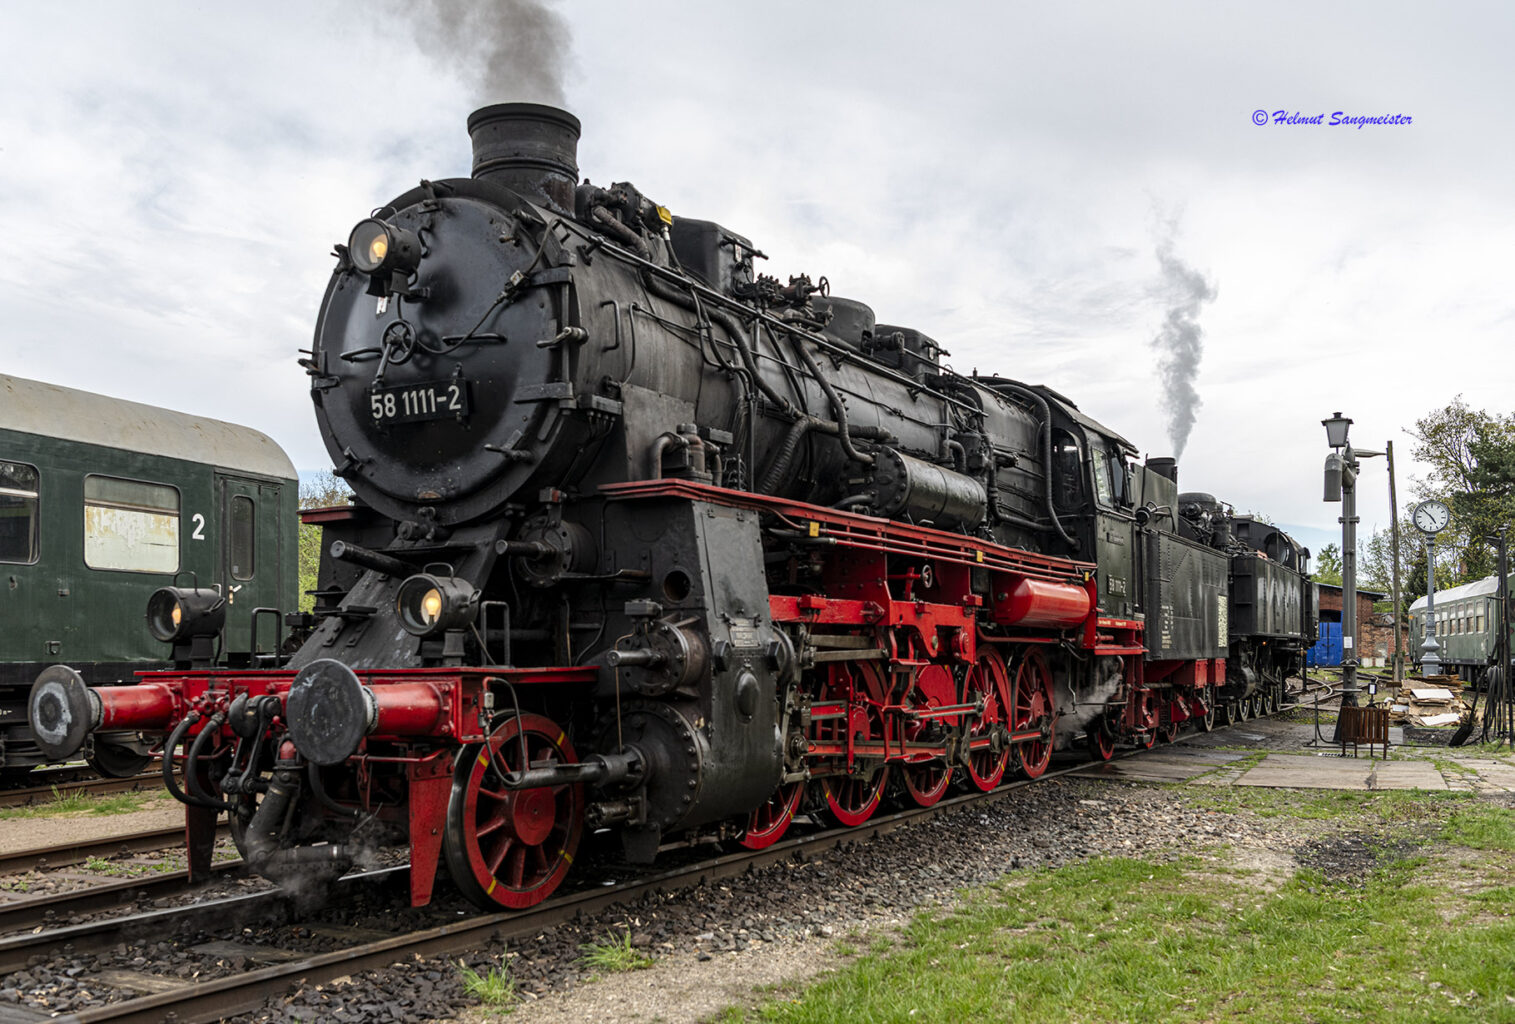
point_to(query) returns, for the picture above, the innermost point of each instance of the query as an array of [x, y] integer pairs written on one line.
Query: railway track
[[68, 854], [213, 998], [66, 785]]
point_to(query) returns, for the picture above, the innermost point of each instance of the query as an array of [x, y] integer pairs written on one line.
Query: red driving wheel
[[1146, 720], [1168, 730], [990, 681], [927, 776], [1034, 706], [853, 793], [769, 822], [511, 848], [1101, 739]]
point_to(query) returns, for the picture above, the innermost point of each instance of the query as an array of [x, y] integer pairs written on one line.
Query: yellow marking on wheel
[[559, 740], [484, 759], [566, 856], [492, 883]]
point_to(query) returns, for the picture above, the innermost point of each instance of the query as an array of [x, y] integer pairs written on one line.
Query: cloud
[[177, 174]]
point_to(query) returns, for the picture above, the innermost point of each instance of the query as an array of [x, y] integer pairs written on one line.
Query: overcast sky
[[1001, 176]]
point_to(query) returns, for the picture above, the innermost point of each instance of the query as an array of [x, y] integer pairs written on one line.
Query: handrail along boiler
[[646, 540]]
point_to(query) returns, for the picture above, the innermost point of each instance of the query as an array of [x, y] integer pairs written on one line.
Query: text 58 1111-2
[[431, 401]]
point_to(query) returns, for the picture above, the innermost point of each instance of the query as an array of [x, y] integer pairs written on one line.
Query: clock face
[[1432, 517]]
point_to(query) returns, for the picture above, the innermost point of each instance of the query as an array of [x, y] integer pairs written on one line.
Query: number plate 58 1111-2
[[408, 403]]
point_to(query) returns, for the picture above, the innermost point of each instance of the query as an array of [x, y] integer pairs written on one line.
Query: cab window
[[130, 525], [1115, 465], [1068, 469], [1103, 486], [19, 512]]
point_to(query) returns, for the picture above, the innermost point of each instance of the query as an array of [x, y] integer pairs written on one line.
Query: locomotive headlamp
[[429, 604], [178, 613], [380, 248]]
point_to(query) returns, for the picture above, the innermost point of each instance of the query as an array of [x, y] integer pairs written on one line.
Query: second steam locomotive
[[648, 541]]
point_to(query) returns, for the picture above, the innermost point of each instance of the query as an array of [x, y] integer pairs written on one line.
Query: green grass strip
[[1128, 940]]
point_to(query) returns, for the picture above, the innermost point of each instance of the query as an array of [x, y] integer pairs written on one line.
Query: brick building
[[1375, 630]]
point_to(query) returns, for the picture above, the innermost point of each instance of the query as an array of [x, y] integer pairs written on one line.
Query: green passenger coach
[[104, 501], [1467, 628]]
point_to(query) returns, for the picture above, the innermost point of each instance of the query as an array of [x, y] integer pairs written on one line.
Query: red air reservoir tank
[[1039, 603]]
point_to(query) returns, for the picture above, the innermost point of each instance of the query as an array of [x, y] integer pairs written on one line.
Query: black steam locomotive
[[647, 540]]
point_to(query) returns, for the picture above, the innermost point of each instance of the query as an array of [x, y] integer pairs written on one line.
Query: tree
[[1375, 558], [323, 490], [1472, 458], [1328, 565]]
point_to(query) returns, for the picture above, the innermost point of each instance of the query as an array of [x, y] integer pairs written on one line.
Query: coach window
[[241, 538], [130, 525], [19, 512]]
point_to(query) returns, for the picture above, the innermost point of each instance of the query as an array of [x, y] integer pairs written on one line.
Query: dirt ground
[[158, 811]]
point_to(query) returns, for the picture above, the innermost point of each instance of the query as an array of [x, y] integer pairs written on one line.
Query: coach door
[[250, 564]]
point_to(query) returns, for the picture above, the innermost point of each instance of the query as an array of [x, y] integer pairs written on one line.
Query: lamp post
[[1341, 485]]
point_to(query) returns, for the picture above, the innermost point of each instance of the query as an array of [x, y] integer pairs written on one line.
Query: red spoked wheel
[[1202, 709], [769, 822], [1101, 739], [852, 799], [509, 848], [1167, 731], [989, 680], [1146, 724], [1034, 706], [926, 782], [852, 794], [926, 776]]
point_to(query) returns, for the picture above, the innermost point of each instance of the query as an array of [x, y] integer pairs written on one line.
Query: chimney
[[1167, 468], [528, 148]]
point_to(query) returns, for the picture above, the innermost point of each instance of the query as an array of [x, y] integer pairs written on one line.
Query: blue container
[[1327, 650]]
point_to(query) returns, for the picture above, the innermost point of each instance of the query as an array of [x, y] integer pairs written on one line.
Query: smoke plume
[[508, 50], [1180, 341]]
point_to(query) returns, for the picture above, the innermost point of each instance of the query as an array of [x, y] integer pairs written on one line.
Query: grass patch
[[614, 955], [1482, 827], [1366, 806], [1129, 940], [494, 987], [1446, 764], [75, 803], [103, 866]]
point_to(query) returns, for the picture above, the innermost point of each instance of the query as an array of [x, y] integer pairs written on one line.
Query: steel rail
[[228, 911], [18, 915], [67, 854], [50, 791]]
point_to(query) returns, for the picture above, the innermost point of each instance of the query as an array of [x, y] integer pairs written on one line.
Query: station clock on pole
[[1431, 517]]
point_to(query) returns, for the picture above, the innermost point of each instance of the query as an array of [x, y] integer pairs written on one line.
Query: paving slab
[[1291, 771], [1170, 765], [1408, 775], [1263, 733], [1494, 776]]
